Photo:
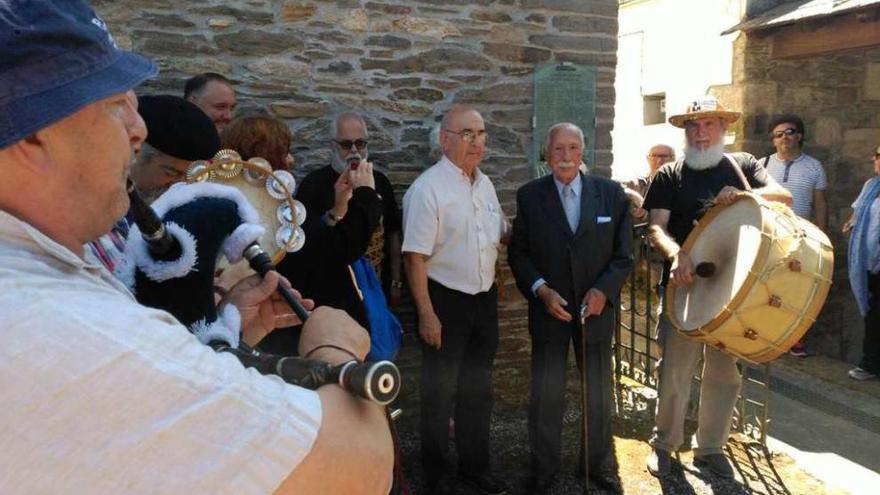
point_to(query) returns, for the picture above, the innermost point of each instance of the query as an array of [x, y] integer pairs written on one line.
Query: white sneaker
[[861, 374]]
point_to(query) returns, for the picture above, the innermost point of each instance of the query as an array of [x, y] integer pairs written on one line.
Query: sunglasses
[[348, 143], [785, 132]]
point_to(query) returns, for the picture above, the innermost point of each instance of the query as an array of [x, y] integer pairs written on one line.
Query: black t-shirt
[[687, 193]]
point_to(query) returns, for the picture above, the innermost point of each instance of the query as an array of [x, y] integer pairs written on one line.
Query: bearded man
[[679, 195], [351, 260]]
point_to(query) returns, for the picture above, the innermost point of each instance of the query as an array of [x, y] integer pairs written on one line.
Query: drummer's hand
[[261, 307], [362, 176], [554, 303], [328, 326], [728, 195], [682, 269], [595, 301]]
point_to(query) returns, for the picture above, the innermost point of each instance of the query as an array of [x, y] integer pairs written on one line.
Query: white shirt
[[99, 394], [805, 175], [873, 228], [456, 224]]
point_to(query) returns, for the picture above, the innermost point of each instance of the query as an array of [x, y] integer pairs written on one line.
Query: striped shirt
[[800, 177]]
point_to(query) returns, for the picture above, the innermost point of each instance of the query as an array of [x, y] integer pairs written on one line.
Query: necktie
[[572, 209]]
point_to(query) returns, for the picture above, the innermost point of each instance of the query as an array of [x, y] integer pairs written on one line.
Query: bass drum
[[772, 273]]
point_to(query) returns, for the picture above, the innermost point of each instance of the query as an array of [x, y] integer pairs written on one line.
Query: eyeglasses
[[785, 132], [348, 143], [659, 155], [470, 136]]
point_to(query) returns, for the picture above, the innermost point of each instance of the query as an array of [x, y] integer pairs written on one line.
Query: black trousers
[[547, 403], [460, 372], [871, 343]]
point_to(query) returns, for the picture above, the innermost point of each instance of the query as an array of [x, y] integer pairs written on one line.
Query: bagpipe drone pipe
[[173, 250]]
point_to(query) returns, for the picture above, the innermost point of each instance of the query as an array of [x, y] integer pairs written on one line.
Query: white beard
[[703, 160]]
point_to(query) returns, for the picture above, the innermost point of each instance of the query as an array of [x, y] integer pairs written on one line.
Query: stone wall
[[838, 97], [401, 63]]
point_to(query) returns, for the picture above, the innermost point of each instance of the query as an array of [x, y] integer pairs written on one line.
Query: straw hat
[[705, 106]]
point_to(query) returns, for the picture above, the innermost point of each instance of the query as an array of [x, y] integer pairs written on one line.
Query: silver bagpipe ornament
[[208, 227]]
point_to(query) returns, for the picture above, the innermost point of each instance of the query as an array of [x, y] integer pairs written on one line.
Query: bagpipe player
[[99, 393]]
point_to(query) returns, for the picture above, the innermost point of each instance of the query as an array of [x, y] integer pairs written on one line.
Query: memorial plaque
[[564, 92]]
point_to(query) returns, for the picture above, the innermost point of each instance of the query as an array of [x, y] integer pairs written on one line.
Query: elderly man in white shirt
[[453, 226], [99, 393]]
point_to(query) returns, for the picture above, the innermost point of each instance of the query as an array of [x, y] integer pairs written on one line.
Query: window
[[654, 109]]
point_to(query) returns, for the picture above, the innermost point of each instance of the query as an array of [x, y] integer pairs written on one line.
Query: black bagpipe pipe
[[375, 381]]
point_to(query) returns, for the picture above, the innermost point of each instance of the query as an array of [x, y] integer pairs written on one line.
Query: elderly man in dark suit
[[570, 254]]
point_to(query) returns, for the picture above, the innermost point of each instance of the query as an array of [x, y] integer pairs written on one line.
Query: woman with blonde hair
[[263, 136]]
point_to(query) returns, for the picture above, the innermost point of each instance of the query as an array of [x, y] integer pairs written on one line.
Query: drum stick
[[705, 269]]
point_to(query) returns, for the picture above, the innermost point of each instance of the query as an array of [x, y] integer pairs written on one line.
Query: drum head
[[730, 238]]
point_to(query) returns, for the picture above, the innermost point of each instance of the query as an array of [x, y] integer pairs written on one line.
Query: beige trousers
[[719, 389]]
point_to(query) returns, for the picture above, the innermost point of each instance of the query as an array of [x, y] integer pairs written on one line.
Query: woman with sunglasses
[[864, 270]]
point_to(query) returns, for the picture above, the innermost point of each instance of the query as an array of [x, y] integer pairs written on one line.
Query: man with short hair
[[676, 199], [352, 229], [100, 393], [452, 230], [213, 93], [799, 173], [570, 253]]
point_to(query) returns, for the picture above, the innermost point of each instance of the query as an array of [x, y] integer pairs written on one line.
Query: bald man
[[636, 189], [452, 231]]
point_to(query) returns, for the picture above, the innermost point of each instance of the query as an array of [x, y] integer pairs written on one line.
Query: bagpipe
[[198, 229]]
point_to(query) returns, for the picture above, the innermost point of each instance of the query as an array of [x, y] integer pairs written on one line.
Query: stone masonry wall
[[400, 63], [838, 97]]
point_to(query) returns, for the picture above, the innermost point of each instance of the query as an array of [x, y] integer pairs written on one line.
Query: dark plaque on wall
[[564, 92]]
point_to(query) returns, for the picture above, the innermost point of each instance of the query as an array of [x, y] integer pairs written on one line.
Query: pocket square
[[603, 219]]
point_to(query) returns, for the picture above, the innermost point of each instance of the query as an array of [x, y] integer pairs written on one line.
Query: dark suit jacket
[[597, 256]]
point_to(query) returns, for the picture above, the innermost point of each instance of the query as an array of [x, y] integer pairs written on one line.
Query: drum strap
[[739, 173]]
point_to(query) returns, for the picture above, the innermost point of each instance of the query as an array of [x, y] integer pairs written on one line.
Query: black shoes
[[715, 463]]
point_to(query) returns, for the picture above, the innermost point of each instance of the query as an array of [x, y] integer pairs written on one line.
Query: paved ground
[[825, 442], [755, 473]]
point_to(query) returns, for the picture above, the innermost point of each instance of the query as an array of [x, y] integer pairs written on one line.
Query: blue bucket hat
[[55, 58]]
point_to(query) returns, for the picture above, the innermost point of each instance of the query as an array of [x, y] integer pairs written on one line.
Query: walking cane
[[584, 396]]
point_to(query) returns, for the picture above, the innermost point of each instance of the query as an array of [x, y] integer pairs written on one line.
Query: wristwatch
[[396, 284]]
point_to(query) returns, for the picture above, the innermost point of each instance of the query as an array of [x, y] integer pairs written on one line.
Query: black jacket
[[320, 270], [597, 256]]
